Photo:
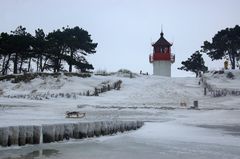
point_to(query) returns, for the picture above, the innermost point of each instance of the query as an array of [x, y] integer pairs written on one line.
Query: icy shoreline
[[168, 140], [22, 135]]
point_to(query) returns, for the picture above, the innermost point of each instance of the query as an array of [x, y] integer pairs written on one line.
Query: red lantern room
[[161, 51]]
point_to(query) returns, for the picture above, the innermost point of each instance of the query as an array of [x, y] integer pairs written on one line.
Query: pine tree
[[79, 43], [5, 52], [21, 45], [194, 64], [39, 48], [226, 43], [50, 52]]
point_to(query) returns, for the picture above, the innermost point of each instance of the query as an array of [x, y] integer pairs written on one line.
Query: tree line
[[67, 47], [225, 44]]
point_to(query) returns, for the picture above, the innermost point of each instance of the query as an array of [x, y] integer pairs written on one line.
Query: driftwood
[[74, 114]]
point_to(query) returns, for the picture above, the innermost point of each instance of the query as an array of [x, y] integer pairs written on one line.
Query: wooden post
[[131, 75], [195, 104]]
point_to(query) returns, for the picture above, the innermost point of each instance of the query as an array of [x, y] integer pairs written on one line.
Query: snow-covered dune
[[142, 97]]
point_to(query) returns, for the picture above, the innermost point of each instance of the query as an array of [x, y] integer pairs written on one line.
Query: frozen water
[[151, 141]]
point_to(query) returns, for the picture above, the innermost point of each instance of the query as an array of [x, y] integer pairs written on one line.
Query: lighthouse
[[162, 58]]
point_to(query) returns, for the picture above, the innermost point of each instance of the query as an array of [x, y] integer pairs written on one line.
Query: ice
[[98, 127], [48, 133], [4, 131], [90, 130], [104, 128], [167, 140], [83, 127], [76, 130], [68, 131], [29, 134], [37, 132], [13, 135], [22, 135]]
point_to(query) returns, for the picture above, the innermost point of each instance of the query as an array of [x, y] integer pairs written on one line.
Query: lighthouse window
[[162, 50]]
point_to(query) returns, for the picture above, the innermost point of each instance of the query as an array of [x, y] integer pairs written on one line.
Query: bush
[[230, 75], [1, 92], [102, 73], [83, 75], [218, 72], [124, 71], [29, 76]]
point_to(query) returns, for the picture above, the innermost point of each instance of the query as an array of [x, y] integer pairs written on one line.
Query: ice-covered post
[[205, 91], [4, 136], [48, 132], [22, 136], [36, 134], [13, 135], [29, 134]]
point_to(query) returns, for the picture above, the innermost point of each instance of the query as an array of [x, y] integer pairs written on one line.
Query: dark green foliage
[[70, 45], [83, 75], [218, 72], [21, 42], [103, 73], [40, 50], [194, 64], [15, 48], [78, 42], [124, 71], [230, 75], [226, 43], [49, 52], [7, 77], [29, 76], [24, 78]]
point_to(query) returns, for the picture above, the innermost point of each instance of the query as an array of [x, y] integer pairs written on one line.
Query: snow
[[221, 80], [213, 129], [184, 133], [144, 97]]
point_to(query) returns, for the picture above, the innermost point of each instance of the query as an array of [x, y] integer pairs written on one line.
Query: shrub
[[27, 77], [124, 71], [83, 75], [1, 92], [230, 75], [102, 73], [218, 72]]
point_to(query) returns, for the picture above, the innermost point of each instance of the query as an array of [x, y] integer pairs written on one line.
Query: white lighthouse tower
[[162, 58]]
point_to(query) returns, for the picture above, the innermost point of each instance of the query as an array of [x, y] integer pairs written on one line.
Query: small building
[[162, 58]]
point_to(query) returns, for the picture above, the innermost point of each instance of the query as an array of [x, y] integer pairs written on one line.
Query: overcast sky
[[125, 29]]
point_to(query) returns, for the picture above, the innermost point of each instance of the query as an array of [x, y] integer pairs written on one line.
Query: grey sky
[[124, 29]]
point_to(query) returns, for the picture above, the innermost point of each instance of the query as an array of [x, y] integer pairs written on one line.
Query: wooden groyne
[[22, 135]]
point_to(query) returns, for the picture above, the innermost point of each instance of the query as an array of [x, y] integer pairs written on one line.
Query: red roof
[[162, 41]]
